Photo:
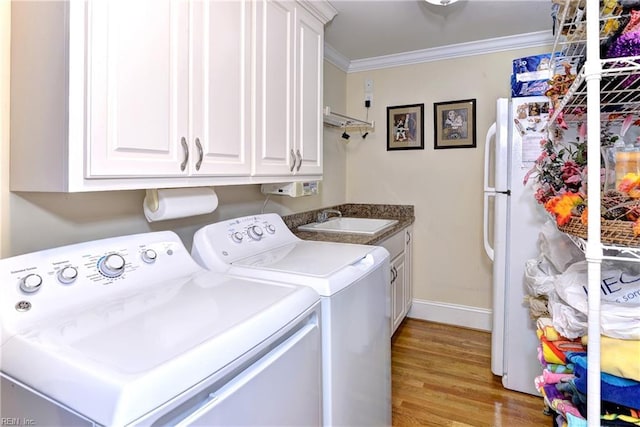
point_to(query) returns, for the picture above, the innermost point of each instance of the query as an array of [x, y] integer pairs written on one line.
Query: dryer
[[131, 331], [353, 284]]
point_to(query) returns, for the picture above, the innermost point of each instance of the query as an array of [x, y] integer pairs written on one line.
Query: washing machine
[[131, 331], [353, 284]]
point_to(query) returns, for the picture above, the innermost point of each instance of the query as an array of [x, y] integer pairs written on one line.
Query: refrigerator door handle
[[488, 191], [490, 142], [485, 226]]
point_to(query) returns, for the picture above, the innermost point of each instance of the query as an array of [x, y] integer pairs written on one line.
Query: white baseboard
[[451, 314]]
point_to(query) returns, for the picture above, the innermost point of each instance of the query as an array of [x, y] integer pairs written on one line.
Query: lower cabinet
[[400, 247]]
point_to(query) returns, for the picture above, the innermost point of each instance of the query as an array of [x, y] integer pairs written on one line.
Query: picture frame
[[454, 124], [405, 127]]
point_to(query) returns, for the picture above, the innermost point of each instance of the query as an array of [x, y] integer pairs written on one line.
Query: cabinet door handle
[[185, 148], [394, 274], [299, 160], [408, 237], [293, 160], [200, 154]]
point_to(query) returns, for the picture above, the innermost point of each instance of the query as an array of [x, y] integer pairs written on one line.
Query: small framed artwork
[[454, 124], [405, 127]]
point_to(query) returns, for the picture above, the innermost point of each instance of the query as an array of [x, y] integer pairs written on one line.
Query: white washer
[[131, 331], [352, 281]]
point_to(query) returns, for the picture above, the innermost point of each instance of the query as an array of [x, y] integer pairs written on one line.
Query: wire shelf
[[620, 77]]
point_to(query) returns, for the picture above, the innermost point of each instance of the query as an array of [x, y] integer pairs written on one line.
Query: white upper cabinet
[[274, 64], [289, 42], [126, 94], [172, 99], [137, 88], [221, 88], [308, 107]]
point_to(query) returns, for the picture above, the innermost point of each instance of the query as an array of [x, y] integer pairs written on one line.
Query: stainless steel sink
[[369, 226]]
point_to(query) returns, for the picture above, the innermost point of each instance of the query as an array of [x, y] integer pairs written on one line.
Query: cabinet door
[[408, 276], [220, 120], [398, 274], [308, 124], [274, 73], [137, 88]]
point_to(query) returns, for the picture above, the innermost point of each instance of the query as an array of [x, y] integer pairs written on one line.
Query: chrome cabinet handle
[[185, 148], [293, 160], [299, 159], [200, 154]]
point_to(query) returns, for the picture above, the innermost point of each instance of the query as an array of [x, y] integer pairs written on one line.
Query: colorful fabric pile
[[561, 330]]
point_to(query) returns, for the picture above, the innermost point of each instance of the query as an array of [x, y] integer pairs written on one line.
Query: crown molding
[[480, 47], [336, 58], [323, 10]]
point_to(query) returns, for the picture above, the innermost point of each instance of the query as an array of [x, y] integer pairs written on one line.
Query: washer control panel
[[41, 283], [230, 240]]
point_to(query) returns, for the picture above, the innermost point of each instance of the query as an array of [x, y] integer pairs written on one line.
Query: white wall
[[445, 186], [34, 221], [5, 39]]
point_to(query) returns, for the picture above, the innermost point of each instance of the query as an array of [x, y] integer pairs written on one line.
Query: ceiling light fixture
[[441, 2]]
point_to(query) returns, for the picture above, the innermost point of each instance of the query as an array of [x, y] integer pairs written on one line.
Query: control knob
[[149, 256], [255, 232], [111, 265], [270, 228], [237, 237], [68, 275], [31, 283]]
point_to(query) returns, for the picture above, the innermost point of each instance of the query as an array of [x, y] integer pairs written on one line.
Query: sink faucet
[[324, 215]]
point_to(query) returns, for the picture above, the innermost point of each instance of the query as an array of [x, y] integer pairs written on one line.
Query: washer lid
[[118, 359], [307, 258]]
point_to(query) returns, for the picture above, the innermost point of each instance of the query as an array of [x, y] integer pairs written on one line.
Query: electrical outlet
[[368, 90], [368, 86]]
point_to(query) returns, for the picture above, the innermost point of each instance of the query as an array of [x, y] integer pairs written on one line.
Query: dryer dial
[[255, 232]]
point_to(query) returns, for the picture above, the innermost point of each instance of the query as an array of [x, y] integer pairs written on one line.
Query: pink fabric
[[553, 378]]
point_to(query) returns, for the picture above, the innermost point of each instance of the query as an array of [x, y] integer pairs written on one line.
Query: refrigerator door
[[497, 167], [525, 218]]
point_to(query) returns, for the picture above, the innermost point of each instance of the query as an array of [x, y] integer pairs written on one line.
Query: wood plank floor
[[441, 376]]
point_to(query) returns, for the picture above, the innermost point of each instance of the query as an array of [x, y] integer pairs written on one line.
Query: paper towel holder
[[152, 199]]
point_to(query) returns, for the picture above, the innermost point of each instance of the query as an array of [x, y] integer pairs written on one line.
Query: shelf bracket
[[345, 122]]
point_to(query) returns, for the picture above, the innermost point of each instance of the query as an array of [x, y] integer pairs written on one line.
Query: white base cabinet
[[118, 94], [400, 248]]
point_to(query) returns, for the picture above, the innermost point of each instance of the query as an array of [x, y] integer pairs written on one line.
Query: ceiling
[[372, 28]]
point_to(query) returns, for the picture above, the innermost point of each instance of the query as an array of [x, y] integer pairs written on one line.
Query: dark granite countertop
[[403, 213]]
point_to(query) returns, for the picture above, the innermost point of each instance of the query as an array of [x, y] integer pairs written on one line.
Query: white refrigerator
[[512, 222]]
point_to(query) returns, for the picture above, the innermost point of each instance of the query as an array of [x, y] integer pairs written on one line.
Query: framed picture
[[454, 124], [405, 127]]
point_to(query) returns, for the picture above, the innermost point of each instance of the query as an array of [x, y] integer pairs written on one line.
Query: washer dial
[[31, 283], [149, 256], [111, 265], [68, 275]]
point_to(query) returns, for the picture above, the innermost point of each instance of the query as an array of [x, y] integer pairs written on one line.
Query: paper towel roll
[[171, 203]]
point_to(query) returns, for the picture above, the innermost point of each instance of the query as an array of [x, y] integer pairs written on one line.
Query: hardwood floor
[[441, 376]]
